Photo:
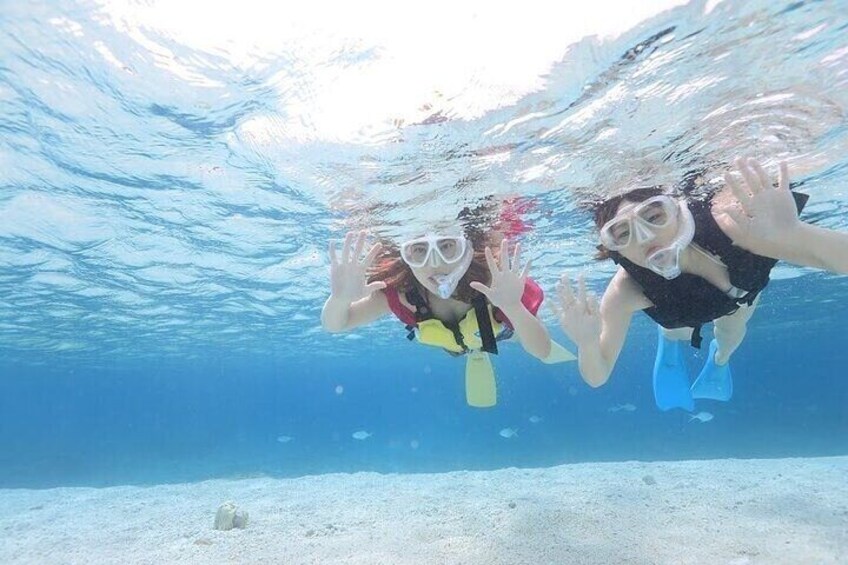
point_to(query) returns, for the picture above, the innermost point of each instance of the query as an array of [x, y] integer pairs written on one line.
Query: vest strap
[[487, 333], [696, 337]]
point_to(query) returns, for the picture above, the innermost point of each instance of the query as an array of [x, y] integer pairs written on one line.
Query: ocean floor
[[718, 511]]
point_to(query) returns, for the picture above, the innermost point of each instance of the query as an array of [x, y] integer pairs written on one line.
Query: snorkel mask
[[452, 250], [643, 221]]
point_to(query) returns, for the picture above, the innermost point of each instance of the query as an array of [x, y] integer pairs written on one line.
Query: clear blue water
[[165, 208]]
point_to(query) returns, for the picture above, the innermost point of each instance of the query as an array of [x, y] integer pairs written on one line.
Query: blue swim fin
[[671, 381], [715, 381]]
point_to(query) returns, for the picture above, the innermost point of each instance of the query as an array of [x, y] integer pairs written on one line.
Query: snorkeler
[[686, 262], [439, 286]]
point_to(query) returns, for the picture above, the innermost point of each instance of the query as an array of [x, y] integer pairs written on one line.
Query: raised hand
[[507, 278], [763, 213], [348, 275], [578, 314]]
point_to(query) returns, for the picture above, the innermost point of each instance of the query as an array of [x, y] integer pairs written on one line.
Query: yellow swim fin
[[480, 388], [559, 354]]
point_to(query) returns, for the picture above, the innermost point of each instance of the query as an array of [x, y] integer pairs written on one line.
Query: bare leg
[[677, 334], [730, 331]]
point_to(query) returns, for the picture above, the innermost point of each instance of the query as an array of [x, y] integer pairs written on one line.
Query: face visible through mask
[[438, 261], [651, 233]]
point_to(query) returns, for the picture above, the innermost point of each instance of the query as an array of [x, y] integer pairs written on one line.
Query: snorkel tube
[[448, 283], [666, 261]]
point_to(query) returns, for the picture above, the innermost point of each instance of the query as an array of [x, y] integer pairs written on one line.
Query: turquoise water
[[166, 202]]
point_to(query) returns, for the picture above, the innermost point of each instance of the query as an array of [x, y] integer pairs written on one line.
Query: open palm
[[762, 212], [348, 273], [578, 314], [507, 278]]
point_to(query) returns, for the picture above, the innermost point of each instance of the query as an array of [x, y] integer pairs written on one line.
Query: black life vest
[[689, 301]]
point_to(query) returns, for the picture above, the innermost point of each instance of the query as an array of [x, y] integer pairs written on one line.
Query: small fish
[[360, 435], [284, 439], [622, 408], [701, 417], [535, 419], [508, 433]]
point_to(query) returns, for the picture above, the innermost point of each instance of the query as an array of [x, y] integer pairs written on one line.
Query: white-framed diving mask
[[642, 222], [450, 249]]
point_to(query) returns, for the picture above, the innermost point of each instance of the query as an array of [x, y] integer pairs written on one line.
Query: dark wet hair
[[605, 210]]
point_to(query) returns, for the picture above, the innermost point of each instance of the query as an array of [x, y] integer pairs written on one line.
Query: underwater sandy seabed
[[717, 511]]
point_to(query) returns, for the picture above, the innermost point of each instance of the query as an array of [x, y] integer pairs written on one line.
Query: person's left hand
[[762, 213], [578, 313], [507, 282]]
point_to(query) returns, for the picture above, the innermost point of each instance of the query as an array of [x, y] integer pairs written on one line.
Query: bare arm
[[809, 246], [530, 331], [763, 219], [621, 299], [353, 300], [505, 291], [341, 316], [599, 332], [819, 247]]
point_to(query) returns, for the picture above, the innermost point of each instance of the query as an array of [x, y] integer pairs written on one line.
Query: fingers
[[334, 260], [490, 262], [360, 245], [525, 270], [742, 195], [513, 265], [750, 177], [480, 287], [581, 289], [372, 254], [515, 258], [346, 247], [352, 250], [763, 177], [584, 301], [783, 182], [566, 295], [374, 286]]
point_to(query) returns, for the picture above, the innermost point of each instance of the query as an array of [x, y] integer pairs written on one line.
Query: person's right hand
[[348, 276], [578, 315]]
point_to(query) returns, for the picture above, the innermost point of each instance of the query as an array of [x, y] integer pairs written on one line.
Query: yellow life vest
[[434, 332], [480, 385]]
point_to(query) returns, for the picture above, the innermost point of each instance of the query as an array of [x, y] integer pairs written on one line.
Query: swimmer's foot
[[715, 381]]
